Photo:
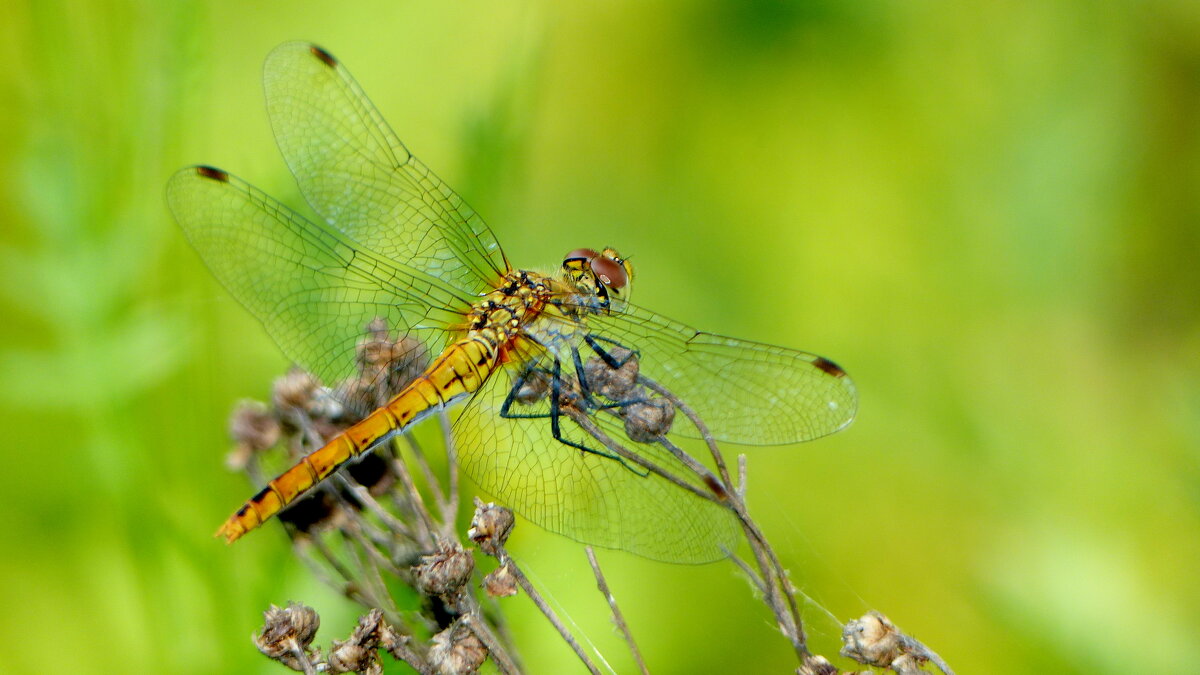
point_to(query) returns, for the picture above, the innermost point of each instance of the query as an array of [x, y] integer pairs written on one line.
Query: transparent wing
[[745, 392], [360, 178], [590, 498], [313, 291]]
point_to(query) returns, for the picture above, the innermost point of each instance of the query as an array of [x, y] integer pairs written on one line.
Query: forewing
[[313, 291], [745, 392], [361, 179], [588, 497]]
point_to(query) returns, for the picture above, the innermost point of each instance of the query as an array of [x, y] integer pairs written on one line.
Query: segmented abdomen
[[459, 371]]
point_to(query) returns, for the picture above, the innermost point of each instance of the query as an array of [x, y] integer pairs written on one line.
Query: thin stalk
[[618, 618], [544, 608]]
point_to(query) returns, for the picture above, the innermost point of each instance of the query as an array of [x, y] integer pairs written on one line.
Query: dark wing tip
[[829, 367], [323, 55], [212, 173]]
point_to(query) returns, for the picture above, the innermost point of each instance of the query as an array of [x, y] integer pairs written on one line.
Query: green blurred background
[[987, 212]]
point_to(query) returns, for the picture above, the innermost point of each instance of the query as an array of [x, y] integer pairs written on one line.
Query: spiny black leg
[[613, 362], [556, 428], [594, 341], [584, 389], [506, 407], [622, 404]]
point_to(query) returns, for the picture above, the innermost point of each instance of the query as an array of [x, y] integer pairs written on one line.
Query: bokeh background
[[987, 212]]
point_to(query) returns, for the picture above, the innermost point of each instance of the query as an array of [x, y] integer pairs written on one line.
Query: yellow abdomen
[[459, 371]]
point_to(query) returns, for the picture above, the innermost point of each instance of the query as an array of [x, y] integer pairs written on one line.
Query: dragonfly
[[393, 243]]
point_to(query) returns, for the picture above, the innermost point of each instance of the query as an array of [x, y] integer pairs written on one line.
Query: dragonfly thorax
[[503, 311]]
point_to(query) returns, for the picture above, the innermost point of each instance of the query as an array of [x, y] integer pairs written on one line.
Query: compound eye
[[610, 272], [585, 253]]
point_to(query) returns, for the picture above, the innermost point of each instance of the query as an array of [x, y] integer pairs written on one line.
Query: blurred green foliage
[[987, 212]]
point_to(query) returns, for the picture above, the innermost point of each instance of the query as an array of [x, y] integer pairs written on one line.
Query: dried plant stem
[[364, 496], [585, 422], [372, 577], [397, 537], [618, 618], [452, 497], [400, 651], [431, 481], [749, 572], [546, 610], [426, 533], [741, 484], [301, 656], [777, 587], [500, 656], [687, 410]]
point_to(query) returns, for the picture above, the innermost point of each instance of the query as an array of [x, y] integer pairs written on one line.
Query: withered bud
[[490, 526], [325, 404], [647, 421], [817, 665], [377, 328], [444, 572], [534, 387], [872, 640], [294, 391], [388, 364], [253, 426], [287, 632], [457, 650], [500, 583], [618, 384], [359, 654]]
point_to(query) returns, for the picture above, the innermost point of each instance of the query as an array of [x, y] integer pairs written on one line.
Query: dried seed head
[[350, 657], [326, 405], [872, 640], [252, 426], [490, 527], [500, 583], [287, 632], [817, 665], [446, 572], [618, 384], [647, 421], [360, 653], [294, 392], [534, 388], [385, 365], [457, 650]]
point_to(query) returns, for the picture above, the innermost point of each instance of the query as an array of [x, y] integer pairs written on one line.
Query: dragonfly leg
[[556, 427], [555, 396], [614, 362], [520, 391], [584, 389]]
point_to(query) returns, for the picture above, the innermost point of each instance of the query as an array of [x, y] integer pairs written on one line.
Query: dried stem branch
[[431, 481], [500, 656], [585, 422], [452, 498], [490, 529], [778, 590], [618, 618]]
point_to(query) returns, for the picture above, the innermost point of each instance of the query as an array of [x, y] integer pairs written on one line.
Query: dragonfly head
[[604, 275]]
